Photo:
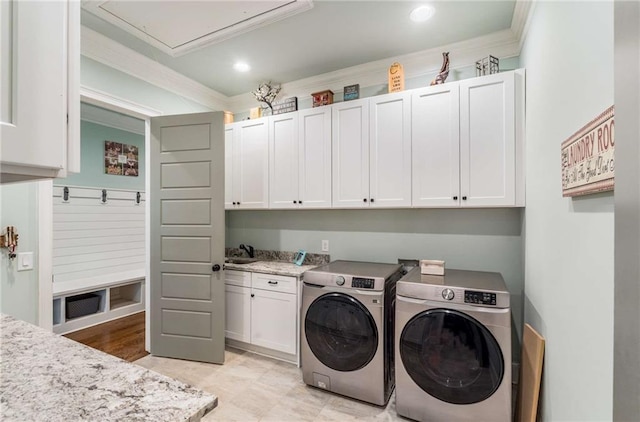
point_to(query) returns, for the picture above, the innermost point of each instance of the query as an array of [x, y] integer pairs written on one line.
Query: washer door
[[451, 356], [341, 332]]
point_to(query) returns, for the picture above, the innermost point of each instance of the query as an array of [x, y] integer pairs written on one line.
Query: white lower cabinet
[[262, 313], [238, 313], [273, 321]]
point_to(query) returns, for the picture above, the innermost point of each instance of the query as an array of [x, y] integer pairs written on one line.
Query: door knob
[[215, 268]]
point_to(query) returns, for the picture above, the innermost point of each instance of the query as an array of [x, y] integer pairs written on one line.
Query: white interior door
[[187, 237]]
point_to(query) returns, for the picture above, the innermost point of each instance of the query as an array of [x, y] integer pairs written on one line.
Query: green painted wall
[[19, 290], [569, 242], [471, 239], [92, 159]]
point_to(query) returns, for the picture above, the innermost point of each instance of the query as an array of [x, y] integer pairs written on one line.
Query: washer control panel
[[479, 298], [340, 280], [362, 283]]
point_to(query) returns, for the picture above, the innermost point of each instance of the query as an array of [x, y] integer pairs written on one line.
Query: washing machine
[[347, 323], [453, 347]]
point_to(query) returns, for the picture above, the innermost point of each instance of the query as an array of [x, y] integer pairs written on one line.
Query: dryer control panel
[[479, 298], [362, 283]]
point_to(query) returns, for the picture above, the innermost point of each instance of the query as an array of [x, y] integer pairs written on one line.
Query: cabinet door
[[283, 161], [253, 164], [435, 138], [238, 313], [390, 150], [37, 64], [350, 152], [228, 166], [314, 154], [273, 320], [487, 141]]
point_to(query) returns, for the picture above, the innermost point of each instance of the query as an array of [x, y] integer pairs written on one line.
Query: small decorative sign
[[322, 98], [396, 78], [285, 106], [120, 159], [351, 92], [588, 157]]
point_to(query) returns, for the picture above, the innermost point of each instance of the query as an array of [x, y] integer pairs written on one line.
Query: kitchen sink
[[239, 260]]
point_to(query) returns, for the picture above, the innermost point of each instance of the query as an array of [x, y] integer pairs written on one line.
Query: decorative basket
[[81, 305]]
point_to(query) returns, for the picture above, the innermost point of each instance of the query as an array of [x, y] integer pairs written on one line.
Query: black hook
[[138, 197], [65, 193], [104, 195]]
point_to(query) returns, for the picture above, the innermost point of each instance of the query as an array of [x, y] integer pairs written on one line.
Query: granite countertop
[[271, 267], [275, 262], [49, 377]]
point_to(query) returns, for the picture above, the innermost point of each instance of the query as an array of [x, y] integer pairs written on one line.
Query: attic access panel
[[178, 27]]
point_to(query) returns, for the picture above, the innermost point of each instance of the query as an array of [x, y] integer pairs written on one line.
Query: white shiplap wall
[[97, 243]]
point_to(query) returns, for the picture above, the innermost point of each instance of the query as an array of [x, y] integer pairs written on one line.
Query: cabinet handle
[[234, 202], [372, 199], [253, 295], [464, 198], [299, 202], [455, 198], [215, 268], [238, 203], [272, 282], [364, 199], [295, 202]]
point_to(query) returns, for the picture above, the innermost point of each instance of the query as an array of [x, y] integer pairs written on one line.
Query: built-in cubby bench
[[118, 299], [98, 255]]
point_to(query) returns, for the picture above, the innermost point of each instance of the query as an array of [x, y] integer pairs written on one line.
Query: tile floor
[[251, 387]]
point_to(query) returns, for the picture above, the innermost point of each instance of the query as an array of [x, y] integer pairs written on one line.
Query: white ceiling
[[333, 35]]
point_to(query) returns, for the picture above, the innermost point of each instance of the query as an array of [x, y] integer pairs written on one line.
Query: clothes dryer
[[346, 340], [453, 347]]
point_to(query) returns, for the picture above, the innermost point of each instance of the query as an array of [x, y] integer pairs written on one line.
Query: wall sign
[[396, 78], [588, 157]]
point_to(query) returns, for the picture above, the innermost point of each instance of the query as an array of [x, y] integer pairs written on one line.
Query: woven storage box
[[81, 305]]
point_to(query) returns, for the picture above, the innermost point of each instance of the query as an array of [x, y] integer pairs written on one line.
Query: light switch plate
[[25, 261]]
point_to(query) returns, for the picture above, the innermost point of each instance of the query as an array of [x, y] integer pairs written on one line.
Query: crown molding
[[100, 116], [117, 104], [108, 52], [522, 19], [426, 62]]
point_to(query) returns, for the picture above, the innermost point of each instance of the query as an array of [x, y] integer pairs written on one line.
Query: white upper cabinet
[[283, 161], [350, 152], [249, 188], [390, 150], [488, 159], [314, 152], [436, 146], [39, 89], [459, 144]]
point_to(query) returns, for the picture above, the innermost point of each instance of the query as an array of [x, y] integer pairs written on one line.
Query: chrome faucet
[[249, 249]]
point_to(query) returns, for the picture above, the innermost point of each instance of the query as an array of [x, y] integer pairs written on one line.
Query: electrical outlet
[[325, 246]]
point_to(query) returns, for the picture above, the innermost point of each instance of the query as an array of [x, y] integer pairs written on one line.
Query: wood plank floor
[[123, 337]]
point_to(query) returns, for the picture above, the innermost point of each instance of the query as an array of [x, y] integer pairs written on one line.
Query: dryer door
[[451, 356], [341, 332]]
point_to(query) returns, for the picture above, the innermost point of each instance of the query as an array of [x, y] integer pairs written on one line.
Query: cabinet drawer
[[276, 283], [237, 278]]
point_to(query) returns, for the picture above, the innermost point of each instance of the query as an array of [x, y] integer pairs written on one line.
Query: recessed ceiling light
[[422, 13], [241, 67]]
